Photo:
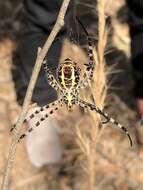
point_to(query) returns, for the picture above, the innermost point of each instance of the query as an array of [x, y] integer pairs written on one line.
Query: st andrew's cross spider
[[68, 86]]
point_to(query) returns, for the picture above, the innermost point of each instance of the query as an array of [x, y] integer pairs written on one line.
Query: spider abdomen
[[68, 75]]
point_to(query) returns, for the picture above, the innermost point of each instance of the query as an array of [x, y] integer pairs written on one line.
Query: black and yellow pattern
[[68, 84]]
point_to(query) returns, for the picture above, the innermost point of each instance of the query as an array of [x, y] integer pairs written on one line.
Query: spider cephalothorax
[[69, 82]]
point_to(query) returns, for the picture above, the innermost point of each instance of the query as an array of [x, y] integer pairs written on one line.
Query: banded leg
[[91, 64], [50, 77], [37, 124], [105, 115], [39, 110]]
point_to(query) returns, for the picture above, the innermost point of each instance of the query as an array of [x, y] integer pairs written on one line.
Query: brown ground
[[118, 167]]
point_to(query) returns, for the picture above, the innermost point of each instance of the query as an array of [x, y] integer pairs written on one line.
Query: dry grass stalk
[[87, 140], [40, 57]]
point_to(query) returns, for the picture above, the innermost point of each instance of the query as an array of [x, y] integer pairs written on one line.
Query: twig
[[39, 60]]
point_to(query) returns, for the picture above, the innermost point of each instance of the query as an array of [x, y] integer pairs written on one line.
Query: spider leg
[[39, 110], [37, 124], [91, 64], [50, 77], [108, 119]]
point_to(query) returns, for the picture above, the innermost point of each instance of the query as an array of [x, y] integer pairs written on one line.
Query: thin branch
[[39, 60]]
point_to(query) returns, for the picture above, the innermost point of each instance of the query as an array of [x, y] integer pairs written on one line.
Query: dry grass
[[88, 139]]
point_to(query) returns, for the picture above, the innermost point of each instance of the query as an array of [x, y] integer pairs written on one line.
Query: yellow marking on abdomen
[[69, 98]]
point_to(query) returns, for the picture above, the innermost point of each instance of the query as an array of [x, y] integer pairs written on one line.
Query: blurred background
[[117, 166]]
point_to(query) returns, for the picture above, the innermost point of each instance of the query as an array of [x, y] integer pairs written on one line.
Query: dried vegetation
[[94, 157]]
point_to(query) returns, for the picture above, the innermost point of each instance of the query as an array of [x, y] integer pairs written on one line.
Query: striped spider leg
[[42, 109], [52, 81], [92, 107], [54, 107], [50, 77], [91, 63], [39, 110]]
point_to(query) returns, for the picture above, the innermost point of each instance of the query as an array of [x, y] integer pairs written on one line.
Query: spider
[[68, 85]]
